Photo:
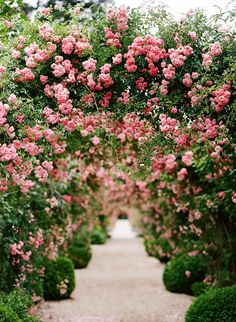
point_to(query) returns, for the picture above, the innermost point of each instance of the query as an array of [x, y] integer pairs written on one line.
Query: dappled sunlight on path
[[121, 284]]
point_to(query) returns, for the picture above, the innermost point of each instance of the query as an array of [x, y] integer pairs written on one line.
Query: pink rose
[[187, 158], [95, 140]]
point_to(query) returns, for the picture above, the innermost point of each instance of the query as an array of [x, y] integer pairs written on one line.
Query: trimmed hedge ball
[[98, 237], [20, 301], [80, 256], [59, 279], [181, 272], [217, 305], [80, 242], [7, 314], [199, 288]]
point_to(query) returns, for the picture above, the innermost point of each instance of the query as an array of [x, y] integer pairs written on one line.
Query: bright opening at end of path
[[123, 230]]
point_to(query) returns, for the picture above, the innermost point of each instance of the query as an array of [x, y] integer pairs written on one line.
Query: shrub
[[20, 302], [80, 256], [162, 250], [7, 314], [217, 305], [59, 279], [157, 248], [181, 272], [80, 241], [199, 288], [149, 247], [98, 236]]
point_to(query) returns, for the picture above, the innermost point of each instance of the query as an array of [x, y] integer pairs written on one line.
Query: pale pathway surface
[[121, 284]]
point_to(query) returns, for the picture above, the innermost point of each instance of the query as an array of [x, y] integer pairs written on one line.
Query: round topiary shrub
[[20, 301], [80, 242], [98, 237], [181, 272], [199, 288], [59, 279], [217, 305], [7, 314], [80, 256]]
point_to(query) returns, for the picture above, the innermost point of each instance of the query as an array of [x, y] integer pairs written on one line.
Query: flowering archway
[[97, 111]]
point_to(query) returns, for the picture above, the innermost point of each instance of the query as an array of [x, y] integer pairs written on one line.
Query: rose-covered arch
[[100, 112]]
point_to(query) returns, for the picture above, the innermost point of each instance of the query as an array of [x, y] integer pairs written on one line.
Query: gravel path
[[121, 284]]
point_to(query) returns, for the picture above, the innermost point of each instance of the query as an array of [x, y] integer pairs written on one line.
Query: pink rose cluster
[[149, 46], [117, 59], [36, 240], [182, 174], [4, 108], [164, 87], [105, 77], [167, 124], [169, 72], [2, 70], [217, 150], [179, 55], [70, 45], [125, 98], [106, 100], [16, 249], [220, 98], [167, 163], [187, 158], [187, 80], [8, 152], [112, 39], [46, 31], [24, 75], [151, 105], [131, 128], [215, 50], [119, 17], [192, 35], [141, 84], [36, 55], [90, 65]]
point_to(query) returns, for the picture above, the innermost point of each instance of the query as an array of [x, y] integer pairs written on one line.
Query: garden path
[[121, 284]]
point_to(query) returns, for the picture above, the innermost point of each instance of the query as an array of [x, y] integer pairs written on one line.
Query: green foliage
[[7, 314], [199, 288], [80, 256], [148, 244], [59, 279], [175, 274], [98, 236], [10, 7], [18, 301], [158, 248], [217, 305]]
